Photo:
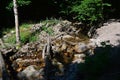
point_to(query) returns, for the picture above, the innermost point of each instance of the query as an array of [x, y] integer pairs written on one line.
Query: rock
[[30, 73], [62, 27], [29, 54], [56, 49], [91, 45], [36, 27], [78, 61], [8, 51], [80, 47], [20, 63], [79, 58], [25, 48], [57, 28], [30, 48], [70, 50], [66, 22], [12, 32], [105, 24], [64, 46], [97, 42], [5, 36], [59, 66], [109, 32], [41, 71], [29, 70]]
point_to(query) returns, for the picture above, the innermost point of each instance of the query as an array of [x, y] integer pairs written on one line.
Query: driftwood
[[70, 43], [47, 49], [48, 46], [92, 32], [44, 51], [5, 75], [58, 36]]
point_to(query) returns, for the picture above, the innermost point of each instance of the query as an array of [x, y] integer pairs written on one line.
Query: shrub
[[33, 38], [25, 36], [20, 3], [89, 11]]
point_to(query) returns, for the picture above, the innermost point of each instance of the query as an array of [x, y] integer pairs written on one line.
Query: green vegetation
[[10, 39], [51, 21], [26, 35], [48, 23], [89, 12], [20, 3], [47, 30]]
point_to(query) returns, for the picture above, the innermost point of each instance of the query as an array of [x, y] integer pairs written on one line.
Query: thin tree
[[15, 4], [16, 21]]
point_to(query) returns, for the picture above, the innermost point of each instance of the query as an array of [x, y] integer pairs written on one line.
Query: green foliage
[[11, 39], [33, 38], [20, 3], [51, 21], [48, 23], [47, 30], [26, 35], [25, 26], [66, 7], [89, 11]]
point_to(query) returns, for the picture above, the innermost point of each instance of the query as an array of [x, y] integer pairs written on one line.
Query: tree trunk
[[16, 22]]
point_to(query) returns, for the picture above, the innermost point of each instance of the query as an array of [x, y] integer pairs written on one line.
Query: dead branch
[[44, 51]]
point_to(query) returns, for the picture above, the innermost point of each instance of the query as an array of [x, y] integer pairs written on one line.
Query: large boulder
[[110, 32], [30, 73]]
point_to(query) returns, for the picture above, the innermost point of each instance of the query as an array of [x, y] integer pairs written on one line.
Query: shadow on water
[[103, 65]]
